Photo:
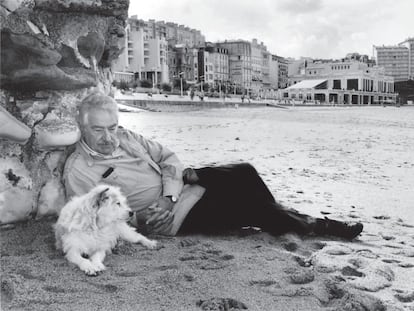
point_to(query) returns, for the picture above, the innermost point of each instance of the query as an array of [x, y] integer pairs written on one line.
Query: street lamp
[[201, 83], [180, 74], [153, 78]]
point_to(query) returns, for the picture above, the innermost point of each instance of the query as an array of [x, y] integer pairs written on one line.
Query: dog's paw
[[100, 266], [151, 244], [89, 268]]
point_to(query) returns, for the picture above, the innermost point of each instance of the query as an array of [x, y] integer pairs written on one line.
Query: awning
[[307, 84]]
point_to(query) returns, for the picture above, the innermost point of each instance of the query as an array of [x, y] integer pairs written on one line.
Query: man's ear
[[101, 197]]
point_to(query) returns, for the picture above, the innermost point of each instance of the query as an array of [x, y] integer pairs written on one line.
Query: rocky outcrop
[[53, 52]]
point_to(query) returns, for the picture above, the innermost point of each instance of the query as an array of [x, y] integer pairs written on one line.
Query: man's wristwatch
[[172, 198]]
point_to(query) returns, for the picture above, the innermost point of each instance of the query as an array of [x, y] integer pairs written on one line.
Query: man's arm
[[171, 167]]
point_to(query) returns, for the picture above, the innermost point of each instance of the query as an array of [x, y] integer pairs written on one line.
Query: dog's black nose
[[131, 214]]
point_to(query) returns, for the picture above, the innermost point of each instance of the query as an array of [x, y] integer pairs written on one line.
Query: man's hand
[[160, 214], [190, 176]]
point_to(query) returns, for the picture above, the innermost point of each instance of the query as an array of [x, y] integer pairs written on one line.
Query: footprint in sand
[[290, 246], [55, 289], [7, 291], [302, 262], [337, 297], [207, 258], [262, 283], [349, 271], [404, 296], [406, 265], [189, 242], [220, 304], [376, 277], [301, 277]]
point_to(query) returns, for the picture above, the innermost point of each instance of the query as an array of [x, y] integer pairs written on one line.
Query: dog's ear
[[101, 197]]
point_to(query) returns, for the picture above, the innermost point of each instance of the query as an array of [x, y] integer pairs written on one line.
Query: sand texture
[[346, 163]]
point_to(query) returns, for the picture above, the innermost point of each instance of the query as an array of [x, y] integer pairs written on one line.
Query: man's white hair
[[96, 101]]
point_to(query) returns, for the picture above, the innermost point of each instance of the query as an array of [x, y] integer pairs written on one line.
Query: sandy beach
[[348, 163]]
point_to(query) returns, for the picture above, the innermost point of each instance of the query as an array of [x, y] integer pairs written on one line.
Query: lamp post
[[201, 83], [219, 83], [153, 79], [180, 74]]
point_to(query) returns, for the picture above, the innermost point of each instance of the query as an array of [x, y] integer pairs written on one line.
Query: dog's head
[[110, 205]]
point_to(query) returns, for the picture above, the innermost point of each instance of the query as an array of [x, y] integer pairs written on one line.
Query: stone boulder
[[53, 53]]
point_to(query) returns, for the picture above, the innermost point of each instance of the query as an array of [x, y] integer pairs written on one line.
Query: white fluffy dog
[[91, 224]]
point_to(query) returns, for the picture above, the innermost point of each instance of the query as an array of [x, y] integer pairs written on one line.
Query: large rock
[[53, 53]]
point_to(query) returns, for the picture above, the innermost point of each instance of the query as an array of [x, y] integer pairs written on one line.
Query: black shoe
[[340, 229]]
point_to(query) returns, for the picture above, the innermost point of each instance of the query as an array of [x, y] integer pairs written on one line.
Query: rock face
[[53, 53]]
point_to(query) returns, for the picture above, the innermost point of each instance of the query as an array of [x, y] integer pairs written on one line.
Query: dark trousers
[[235, 197]]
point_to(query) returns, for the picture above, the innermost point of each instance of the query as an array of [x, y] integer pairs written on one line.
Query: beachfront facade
[[278, 68], [183, 62], [397, 60], [145, 53], [341, 82], [240, 63], [218, 57], [205, 67]]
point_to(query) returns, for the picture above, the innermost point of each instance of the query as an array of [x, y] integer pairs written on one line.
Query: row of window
[[340, 67]]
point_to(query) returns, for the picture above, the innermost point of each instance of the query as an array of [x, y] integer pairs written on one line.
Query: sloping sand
[[345, 163]]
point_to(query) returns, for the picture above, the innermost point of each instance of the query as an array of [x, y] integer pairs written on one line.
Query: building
[[278, 72], [147, 48], [182, 35], [240, 63], [397, 60], [205, 66], [259, 57], [145, 52], [341, 82], [183, 60], [214, 65]]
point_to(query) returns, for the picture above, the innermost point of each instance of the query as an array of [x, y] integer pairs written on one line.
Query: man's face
[[99, 132]]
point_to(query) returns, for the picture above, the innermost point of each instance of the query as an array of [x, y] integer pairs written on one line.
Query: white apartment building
[[145, 53]]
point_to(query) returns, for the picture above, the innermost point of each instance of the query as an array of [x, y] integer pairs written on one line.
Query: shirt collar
[[99, 156]]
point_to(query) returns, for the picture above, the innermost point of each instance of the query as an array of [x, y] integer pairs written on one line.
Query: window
[[352, 84]]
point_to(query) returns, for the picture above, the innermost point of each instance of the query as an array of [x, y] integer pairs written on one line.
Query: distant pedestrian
[[192, 94]]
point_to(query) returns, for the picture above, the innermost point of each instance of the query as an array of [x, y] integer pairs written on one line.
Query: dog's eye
[[118, 203]]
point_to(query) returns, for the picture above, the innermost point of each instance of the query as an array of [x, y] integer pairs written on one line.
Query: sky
[[291, 28]]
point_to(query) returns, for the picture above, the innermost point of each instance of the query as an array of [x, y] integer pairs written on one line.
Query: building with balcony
[[145, 53], [397, 60], [214, 64], [240, 63], [183, 60]]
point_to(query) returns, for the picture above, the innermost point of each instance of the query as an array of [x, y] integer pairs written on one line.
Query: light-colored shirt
[[139, 178], [140, 183]]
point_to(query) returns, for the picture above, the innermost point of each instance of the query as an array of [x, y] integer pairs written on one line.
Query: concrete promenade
[[163, 102]]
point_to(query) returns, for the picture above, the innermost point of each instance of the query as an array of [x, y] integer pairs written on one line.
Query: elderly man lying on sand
[[167, 199]]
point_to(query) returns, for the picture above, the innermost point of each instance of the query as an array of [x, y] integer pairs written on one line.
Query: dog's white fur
[[91, 224]]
